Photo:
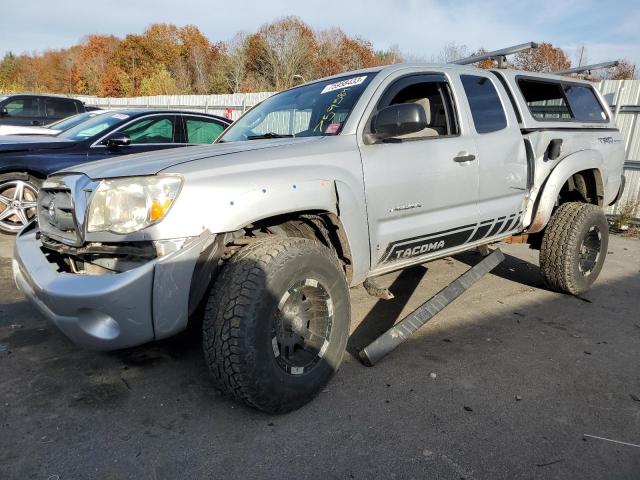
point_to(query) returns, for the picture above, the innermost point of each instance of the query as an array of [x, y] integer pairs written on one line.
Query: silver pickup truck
[[320, 188]]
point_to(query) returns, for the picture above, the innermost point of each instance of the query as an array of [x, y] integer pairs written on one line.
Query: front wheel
[[574, 246], [18, 195], [276, 323]]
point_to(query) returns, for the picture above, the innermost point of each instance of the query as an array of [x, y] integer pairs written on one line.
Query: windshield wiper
[[268, 135]]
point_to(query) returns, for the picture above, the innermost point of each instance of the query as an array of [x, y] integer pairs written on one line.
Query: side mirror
[[396, 120], [3, 111], [117, 139]]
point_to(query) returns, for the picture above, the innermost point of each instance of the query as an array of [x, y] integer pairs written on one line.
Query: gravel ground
[[505, 383]]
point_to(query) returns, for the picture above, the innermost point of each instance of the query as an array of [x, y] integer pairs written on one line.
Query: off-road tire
[[570, 226], [239, 316]]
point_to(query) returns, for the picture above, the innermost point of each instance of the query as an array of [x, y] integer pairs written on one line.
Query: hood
[[27, 143], [151, 163], [26, 130]]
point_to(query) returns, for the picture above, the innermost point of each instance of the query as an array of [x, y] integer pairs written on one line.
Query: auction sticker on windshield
[[351, 82]]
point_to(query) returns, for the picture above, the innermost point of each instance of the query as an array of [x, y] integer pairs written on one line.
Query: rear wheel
[[18, 194], [276, 323], [574, 246]]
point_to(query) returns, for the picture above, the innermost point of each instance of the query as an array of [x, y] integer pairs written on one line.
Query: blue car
[[26, 160]]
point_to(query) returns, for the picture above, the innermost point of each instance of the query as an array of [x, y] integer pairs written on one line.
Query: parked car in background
[[35, 109], [26, 160], [52, 128]]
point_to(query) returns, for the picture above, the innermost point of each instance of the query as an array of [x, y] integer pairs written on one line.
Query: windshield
[[317, 109], [67, 123], [93, 126]]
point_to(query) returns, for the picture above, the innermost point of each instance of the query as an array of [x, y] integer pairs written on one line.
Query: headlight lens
[[126, 205]]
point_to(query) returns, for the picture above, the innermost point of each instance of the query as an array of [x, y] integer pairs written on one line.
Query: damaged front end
[[108, 294], [98, 258]]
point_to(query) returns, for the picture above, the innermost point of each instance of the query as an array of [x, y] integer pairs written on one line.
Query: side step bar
[[401, 331]]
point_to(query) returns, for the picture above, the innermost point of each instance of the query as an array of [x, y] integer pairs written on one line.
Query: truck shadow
[[386, 312], [512, 268]]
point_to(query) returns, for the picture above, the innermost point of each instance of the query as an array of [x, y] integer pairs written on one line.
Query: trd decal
[[419, 249], [419, 246], [507, 223], [480, 232], [446, 239], [496, 227]]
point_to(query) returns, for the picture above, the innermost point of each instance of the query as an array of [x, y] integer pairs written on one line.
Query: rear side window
[[486, 107], [584, 104], [202, 130], [549, 101], [545, 100], [59, 108]]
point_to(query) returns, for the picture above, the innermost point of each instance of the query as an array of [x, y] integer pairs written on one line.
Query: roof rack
[[499, 56], [587, 68]]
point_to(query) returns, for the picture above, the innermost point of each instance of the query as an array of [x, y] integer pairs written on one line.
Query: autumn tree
[[337, 52], [93, 60], [487, 63], [450, 52], [160, 82], [545, 58], [114, 83], [10, 73], [235, 62], [281, 50], [389, 57], [625, 70]]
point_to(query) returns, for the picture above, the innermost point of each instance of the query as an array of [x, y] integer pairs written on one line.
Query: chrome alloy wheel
[[17, 205], [302, 327], [589, 252]]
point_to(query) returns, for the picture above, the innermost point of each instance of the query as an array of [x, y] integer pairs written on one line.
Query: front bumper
[[109, 312]]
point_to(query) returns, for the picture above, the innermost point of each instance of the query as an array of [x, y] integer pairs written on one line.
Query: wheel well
[[23, 172], [322, 226], [585, 186]]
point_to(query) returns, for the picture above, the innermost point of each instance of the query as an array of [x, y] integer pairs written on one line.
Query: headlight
[[126, 205]]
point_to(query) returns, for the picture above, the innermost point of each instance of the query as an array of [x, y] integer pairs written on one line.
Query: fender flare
[[546, 199]]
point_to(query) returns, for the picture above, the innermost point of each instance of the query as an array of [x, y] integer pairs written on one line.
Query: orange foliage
[[545, 58], [170, 59]]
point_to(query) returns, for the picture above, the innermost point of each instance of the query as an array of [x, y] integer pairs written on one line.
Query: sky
[[608, 30]]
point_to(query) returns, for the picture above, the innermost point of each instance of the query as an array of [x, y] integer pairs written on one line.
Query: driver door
[[422, 188]]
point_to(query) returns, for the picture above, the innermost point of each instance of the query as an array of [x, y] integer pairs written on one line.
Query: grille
[[60, 206], [55, 215]]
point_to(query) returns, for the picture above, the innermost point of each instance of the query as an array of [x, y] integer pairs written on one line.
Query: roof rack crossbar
[[498, 55], [587, 68]]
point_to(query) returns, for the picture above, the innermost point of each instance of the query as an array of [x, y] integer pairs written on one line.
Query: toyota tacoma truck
[[318, 189]]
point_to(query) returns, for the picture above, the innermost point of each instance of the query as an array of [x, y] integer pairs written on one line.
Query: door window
[[486, 108], [432, 94], [23, 108], [202, 130], [155, 129]]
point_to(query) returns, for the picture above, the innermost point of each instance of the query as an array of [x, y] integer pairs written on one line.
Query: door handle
[[464, 157]]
